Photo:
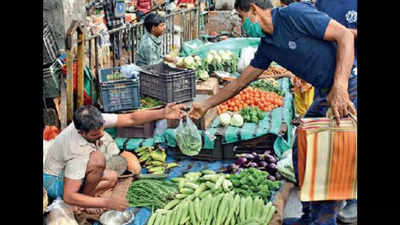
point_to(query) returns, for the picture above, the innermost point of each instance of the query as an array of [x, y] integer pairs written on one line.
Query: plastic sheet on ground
[[143, 214]]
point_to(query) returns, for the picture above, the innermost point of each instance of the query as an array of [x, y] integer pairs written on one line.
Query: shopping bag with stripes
[[327, 159]]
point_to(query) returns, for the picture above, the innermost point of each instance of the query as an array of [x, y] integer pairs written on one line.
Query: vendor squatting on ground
[[75, 164], [313, 46]]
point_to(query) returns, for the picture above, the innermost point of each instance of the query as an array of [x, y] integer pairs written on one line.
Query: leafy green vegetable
[[253, 182], [267, 85], [252, 114]]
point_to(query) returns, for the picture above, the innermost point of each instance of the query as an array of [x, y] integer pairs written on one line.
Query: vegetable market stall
[[142, 215]]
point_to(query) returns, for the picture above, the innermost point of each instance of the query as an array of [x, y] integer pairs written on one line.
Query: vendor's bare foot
[[77, 210]]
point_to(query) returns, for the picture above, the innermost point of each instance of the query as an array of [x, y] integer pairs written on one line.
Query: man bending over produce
[[75, 163], [313, 46]]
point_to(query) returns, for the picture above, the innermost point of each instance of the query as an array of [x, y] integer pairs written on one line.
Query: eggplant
[[252, 164], [262, 164], [268, 152], [271, 168], [240, 161], [270, 159], [278, 176], [271, 178], [249, 156]]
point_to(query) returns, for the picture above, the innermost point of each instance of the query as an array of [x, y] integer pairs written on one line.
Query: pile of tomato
[[264, 100]]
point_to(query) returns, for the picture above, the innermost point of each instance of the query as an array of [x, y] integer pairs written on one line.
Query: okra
[[187, 191], [197, 208], [219, 182], [192, 213], [249, 207], [191, 185], [152, 219], [184, 214], [242, 213], [181, 196], [208, 172], [210, 177], [210, 185], [172, 204], [201, 188]]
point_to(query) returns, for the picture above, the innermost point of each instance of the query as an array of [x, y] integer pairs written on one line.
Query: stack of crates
[[51, 79], [50, 48], [118, 95]]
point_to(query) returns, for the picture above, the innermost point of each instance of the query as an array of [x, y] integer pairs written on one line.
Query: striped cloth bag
[[327, 159]]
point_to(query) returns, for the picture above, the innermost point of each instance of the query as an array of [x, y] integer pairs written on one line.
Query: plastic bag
[[130, 71], [188, 137], [114, 217], [60, 213], [285, 166], [246, 56]]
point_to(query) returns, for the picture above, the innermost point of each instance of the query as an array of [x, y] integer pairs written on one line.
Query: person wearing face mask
[[75, 164], [313, 46]]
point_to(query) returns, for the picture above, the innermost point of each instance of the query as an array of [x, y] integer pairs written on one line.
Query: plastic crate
[[205, 154], [120, 95], [143, 131], [50, 47], [51, 80], [258, 145], [168, 84]]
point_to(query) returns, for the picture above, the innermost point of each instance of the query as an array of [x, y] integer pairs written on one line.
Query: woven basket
[[45, 199]]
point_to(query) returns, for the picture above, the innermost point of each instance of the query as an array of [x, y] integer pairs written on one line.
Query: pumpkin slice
[[133, 162]]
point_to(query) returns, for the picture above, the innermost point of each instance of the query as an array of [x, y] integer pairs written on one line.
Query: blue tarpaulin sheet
[[142, 214]]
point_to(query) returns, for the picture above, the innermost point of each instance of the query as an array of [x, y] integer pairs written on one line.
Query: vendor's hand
[[174, 111], [197, 111], [170, 59], [119, 204], [340, 103]]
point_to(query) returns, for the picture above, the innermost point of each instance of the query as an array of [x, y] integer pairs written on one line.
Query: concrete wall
[[60, 13]]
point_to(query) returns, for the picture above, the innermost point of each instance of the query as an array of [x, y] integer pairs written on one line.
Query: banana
[[157, 163], [157, 170], [171, 165], [159, 155], [144, 157]]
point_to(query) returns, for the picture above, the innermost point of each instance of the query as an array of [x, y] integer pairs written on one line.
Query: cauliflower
[[189, 62], [225, 119], [210, 58], [203, 75], [218, 59], [198, 60], [236, 120]]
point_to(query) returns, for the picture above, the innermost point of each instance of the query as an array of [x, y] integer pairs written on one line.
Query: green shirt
[[149, 51]]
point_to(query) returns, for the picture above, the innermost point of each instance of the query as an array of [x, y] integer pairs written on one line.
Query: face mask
[[252, 29]]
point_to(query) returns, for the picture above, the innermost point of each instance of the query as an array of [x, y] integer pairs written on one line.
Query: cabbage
[[236, 120], [225, 119], [203, 75]]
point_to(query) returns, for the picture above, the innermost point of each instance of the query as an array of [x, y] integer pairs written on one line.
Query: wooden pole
[[81, 58], [69, 89]]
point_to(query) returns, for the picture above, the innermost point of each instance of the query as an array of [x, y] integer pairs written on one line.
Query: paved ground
[[293, 207]]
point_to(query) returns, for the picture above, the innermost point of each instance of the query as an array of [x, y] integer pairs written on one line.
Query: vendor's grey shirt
[[70, 152]]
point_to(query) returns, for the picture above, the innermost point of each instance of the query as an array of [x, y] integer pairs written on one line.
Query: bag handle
[[329, 114]]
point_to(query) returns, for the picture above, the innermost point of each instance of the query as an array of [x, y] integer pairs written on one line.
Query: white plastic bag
[[246, 55], [60, 213], [285, 166]]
